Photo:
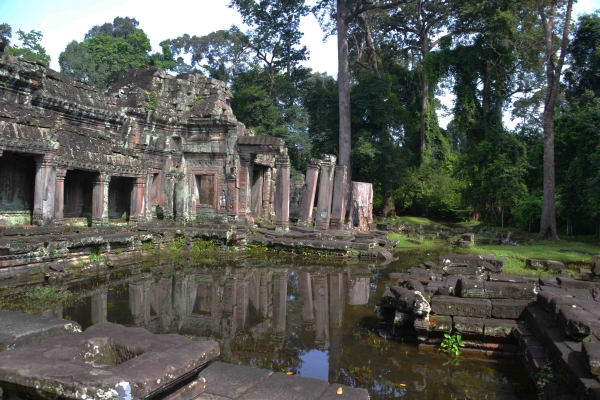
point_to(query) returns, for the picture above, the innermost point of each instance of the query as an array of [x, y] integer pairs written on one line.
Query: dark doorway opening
[[79, 189], [119, 197], [17, 187]]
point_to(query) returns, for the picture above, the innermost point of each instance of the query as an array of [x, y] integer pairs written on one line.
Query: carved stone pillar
[[306, 294], [99, 307], [59, 201], [266, 194], [182, 199], [138, 200], [336, 299], [232, 198], [310, 191], [243, 177], [45, 190], [100, 199], [325, 191], [169, 194], [282, 194], [321, 301], [148, 208], [338, 205]]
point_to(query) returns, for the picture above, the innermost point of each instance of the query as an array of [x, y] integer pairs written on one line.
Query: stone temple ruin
[[154, 146]]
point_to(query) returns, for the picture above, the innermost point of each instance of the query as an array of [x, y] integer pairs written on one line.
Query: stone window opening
[[119, 198], [78, 194]]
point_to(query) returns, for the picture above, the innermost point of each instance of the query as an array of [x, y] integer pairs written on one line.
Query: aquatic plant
[[451, 344]]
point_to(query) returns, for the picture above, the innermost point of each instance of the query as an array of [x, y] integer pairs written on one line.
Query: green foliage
[[94, 258], [109, 50], [151, 100], [37, 300], [30, 48], [451, 344]]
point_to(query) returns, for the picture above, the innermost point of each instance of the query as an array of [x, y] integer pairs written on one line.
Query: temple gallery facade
[[154, 146]]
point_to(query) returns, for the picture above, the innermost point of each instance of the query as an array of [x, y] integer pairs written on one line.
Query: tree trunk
[[343, 88], [371, 53], [425, 95], [553, 72]]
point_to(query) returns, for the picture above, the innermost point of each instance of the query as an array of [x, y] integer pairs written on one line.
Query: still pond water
[[314, 319]]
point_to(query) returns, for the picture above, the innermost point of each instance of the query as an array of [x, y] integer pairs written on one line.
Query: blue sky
[[62, 21]]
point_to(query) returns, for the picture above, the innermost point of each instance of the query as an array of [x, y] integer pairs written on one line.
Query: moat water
[[313, 318]]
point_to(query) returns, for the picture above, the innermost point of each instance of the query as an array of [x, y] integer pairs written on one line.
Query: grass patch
[[541, 250], [406, 243], [425, 222]]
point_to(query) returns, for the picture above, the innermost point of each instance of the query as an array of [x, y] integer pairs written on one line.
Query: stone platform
[[100, 361], [20, 329], [235, 382]]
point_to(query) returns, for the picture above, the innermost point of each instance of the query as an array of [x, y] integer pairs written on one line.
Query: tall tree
[[550, 14], [343, 12]]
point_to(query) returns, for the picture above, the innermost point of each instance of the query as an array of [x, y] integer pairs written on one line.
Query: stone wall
[[149, 138]]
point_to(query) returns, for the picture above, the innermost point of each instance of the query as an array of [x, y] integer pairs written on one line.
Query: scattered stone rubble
[[547, 320]]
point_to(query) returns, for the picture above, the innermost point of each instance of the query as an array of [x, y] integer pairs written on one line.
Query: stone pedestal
[[361, 206], [340, 191], [59, 200], [282, 194], [325, 191], [100, 199], [309, 193], [45, 190]]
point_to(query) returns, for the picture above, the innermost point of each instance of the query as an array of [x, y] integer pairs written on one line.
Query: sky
[[62, 21]]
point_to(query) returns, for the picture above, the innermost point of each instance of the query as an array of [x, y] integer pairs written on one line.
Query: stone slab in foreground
[[226, 382], [19, 329], [95, 361]]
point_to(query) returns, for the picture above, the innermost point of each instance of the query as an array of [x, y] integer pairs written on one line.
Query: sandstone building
[[153, 146]]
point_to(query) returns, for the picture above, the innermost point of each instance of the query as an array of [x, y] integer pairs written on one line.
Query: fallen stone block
[[405, 300], [469, 288], [596, 267], [577, 323], [534, 264], [468, 327], [509, 309], [461, 307], [96, 361], [495, 290], [547, 293], [403, 320], [570, 283], [555, 267], [550, 282], [581, 294], [591, 352], [493, 277]]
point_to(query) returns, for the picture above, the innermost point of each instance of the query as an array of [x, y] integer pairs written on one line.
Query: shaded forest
[[522, 147]]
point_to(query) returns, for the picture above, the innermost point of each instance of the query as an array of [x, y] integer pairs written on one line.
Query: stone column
[[59, 201], [282, 194], [182, 198], [45, 190], [99, 307], [279, 303], [309, 193], [321, 310], [359, 285], [265, 293], [325, 192], [243, 176], [148, 208], [338, 204], [138, 200], [232, 198], [100, 199], [169, 194], [266, 194], [306, 294]]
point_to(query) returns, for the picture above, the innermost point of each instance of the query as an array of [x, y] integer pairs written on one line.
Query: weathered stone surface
[[534, 264], [361, 206], [508, 308], [406, 301], [555, 267], [232, 381], [570, 283], [495, 290], [458, 260], [341, 392], [498, 329], [95, 361], [439, 324], [412, 284], [20, 329], [577, 323], [468, 327], [282, 386], [456, 306], [592, 353]]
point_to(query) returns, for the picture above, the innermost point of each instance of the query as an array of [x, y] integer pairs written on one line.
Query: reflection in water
[[312, 321]]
